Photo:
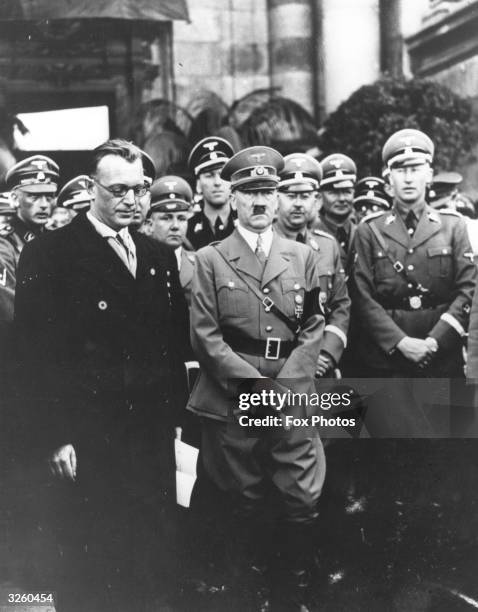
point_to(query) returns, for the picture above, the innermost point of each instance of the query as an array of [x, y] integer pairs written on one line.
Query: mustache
[[258, 209]]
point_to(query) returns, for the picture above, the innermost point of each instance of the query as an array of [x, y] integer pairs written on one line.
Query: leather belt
[[271, 348], [412, 302]]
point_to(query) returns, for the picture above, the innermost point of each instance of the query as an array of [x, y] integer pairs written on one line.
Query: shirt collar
[[417, 209], [251, 238], [108, 232]]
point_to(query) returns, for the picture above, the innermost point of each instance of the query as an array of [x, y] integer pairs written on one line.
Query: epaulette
[[449, 211], [6, 229], [373, 215], [319, 232]]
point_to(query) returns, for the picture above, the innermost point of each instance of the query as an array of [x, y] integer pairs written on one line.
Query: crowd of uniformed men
[[293, 270]]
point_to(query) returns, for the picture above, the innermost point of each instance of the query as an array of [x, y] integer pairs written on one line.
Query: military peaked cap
[[170, 194], [75, 194], [407, 147], [254, 168], [209, 153], [338, 171], [36, 174], [300, 168], [370, 194]]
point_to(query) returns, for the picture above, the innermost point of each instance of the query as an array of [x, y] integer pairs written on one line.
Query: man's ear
[[232, 200], [198, 186], [430, 176]]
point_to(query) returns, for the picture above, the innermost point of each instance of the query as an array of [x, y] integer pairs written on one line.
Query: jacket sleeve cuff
[[447, 332], [334, 342]]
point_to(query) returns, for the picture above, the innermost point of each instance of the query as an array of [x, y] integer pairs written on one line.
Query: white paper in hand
[[186, 462]]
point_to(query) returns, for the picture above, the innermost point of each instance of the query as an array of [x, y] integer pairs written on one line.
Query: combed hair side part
[[116, 146]]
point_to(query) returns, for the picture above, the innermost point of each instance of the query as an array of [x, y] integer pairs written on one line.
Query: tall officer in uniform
[[216, 219], [339, 174], [249, 292], [413, 276], [100, 316], [171, 201], [370, 196], [33, 183], [298, 195]]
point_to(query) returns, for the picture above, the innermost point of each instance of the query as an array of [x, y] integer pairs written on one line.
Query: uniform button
[[297, 287], [410, 250], [410, 285], [269, 328], [266, 290], [102, 305], [411, 267]]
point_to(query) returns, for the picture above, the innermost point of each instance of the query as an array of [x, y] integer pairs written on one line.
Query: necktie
[[411, 223], [126, 254], [342, 237], [300, 238], [218, 226], [260, 253]]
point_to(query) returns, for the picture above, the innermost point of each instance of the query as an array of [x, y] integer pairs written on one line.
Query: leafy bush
[[360, 125]]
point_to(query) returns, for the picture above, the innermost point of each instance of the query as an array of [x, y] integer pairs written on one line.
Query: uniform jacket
[[221, 300], [333, 290], [472, 365], [186, 272], [91, 337], [350, 228], [438, 256], [13, 238], [200, 233]]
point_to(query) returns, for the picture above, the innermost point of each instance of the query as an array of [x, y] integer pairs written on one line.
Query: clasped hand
[[417, 350]]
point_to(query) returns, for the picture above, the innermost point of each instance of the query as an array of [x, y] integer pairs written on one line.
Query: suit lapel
[[278, 260]]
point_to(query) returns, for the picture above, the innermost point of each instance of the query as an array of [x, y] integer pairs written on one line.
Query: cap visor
[[39, 188]]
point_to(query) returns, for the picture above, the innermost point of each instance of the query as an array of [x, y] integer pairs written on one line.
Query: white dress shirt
[[121, 242], [252, 237]]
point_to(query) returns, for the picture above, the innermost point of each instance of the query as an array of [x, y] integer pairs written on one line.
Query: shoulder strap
[[269, 305], [397, 265]]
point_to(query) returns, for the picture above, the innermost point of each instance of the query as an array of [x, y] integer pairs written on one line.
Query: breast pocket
[[233, 297], [293, 293], [440, 261]]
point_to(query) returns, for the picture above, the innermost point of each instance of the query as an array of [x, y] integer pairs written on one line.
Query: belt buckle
[[398, 266], [272, 348], [415, 302], [268, 303]]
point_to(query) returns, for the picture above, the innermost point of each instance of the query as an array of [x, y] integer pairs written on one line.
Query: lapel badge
[[389, 219], [415, 302], [29, 236], [102, 305], [466, 309], [198, 227]]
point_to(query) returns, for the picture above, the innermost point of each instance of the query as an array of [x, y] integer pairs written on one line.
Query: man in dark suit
[[99, 315]]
